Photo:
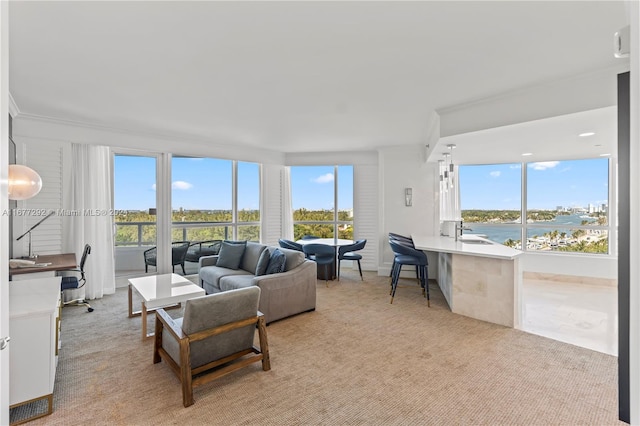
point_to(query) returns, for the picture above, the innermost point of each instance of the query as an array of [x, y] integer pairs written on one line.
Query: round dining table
[[333, 242]]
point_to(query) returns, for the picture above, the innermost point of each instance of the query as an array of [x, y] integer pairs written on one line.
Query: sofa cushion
[[263, 262], [233, 282], [295, 258], [276, 262], [231, 254], [251, 256], [211, 275]]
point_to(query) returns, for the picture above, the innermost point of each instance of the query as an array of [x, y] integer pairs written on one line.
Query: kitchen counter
[[479, 278], [471, 245]]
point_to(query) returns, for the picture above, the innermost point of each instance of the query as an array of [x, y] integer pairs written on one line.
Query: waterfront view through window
[[564, 208]]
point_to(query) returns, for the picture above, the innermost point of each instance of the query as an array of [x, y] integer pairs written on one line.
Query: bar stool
[[404, 255]]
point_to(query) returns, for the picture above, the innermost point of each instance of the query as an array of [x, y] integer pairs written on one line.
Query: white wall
[[50, 159], [567, 264], [400, 168]]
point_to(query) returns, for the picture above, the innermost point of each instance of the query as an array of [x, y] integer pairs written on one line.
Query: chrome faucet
[[458, 231]]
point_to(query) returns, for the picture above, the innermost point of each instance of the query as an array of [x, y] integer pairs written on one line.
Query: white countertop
[[450, 245]]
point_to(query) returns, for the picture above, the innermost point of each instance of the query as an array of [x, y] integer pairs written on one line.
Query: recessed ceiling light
[[605, 155], [526, 154], [584, 135]]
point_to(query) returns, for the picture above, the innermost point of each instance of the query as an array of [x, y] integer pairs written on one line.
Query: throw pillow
[[263, 263], [276, 262], [230, 255]]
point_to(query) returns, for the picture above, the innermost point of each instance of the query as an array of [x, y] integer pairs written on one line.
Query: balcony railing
[[139, 234]]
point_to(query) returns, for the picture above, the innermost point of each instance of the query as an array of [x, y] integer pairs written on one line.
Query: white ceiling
[[556, 138], [293, 76]]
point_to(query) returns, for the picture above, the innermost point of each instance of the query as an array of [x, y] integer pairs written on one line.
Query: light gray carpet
[[356, 360]]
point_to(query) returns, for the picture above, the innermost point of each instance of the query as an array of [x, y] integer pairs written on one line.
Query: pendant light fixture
[[24, 182]]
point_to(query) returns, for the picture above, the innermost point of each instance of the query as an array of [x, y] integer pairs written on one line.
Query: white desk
[[34, 326]]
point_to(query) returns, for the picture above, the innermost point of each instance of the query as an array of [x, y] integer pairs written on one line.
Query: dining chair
[[347, 253], [404, 255], [288, 244], [323, 255]]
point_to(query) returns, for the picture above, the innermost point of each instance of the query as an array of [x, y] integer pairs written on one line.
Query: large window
[[201, 198], [564, 209], [208, 203], [248, 201], [322, 200], [134, 200]]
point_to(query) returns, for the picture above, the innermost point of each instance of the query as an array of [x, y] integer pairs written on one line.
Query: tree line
[[127, 234]]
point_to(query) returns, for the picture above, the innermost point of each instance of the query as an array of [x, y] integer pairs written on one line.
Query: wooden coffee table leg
[[144, 321], [130, 303]]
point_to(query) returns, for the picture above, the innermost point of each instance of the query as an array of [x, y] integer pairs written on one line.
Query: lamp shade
[[24, 182]]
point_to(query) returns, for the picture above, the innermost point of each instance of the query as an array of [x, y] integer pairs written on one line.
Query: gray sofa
[[282, 294]]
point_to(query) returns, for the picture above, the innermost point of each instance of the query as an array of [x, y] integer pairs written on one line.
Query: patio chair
[[198, 249], [178, 256]]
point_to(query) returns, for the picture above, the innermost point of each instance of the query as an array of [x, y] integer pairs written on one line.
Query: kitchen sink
[[480, 242]]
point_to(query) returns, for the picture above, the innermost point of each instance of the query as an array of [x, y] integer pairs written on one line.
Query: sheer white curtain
[[90, 195], [287, 207], [449, 192]]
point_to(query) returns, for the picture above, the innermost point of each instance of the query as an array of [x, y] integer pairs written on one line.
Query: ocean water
[[501, 233]]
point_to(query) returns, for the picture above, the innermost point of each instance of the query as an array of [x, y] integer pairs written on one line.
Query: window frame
[[525, 227], [164, 193], [335, 222]]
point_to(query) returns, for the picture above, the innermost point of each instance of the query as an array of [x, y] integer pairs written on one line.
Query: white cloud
[[153, 187], [327, 178], [515, 166], [182, 185], [544, 165], [495, 174]]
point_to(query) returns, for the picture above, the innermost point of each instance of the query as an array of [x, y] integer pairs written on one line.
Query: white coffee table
[[159, 291]]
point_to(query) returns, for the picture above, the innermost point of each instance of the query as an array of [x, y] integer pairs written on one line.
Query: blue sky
[[205, 183], [574, 183], [312, 187], [198, 183]]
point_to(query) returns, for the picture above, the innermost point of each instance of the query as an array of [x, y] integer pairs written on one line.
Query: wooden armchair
[[215, 336]]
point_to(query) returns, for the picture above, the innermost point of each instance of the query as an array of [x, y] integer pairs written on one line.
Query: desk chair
[[72, 282]]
